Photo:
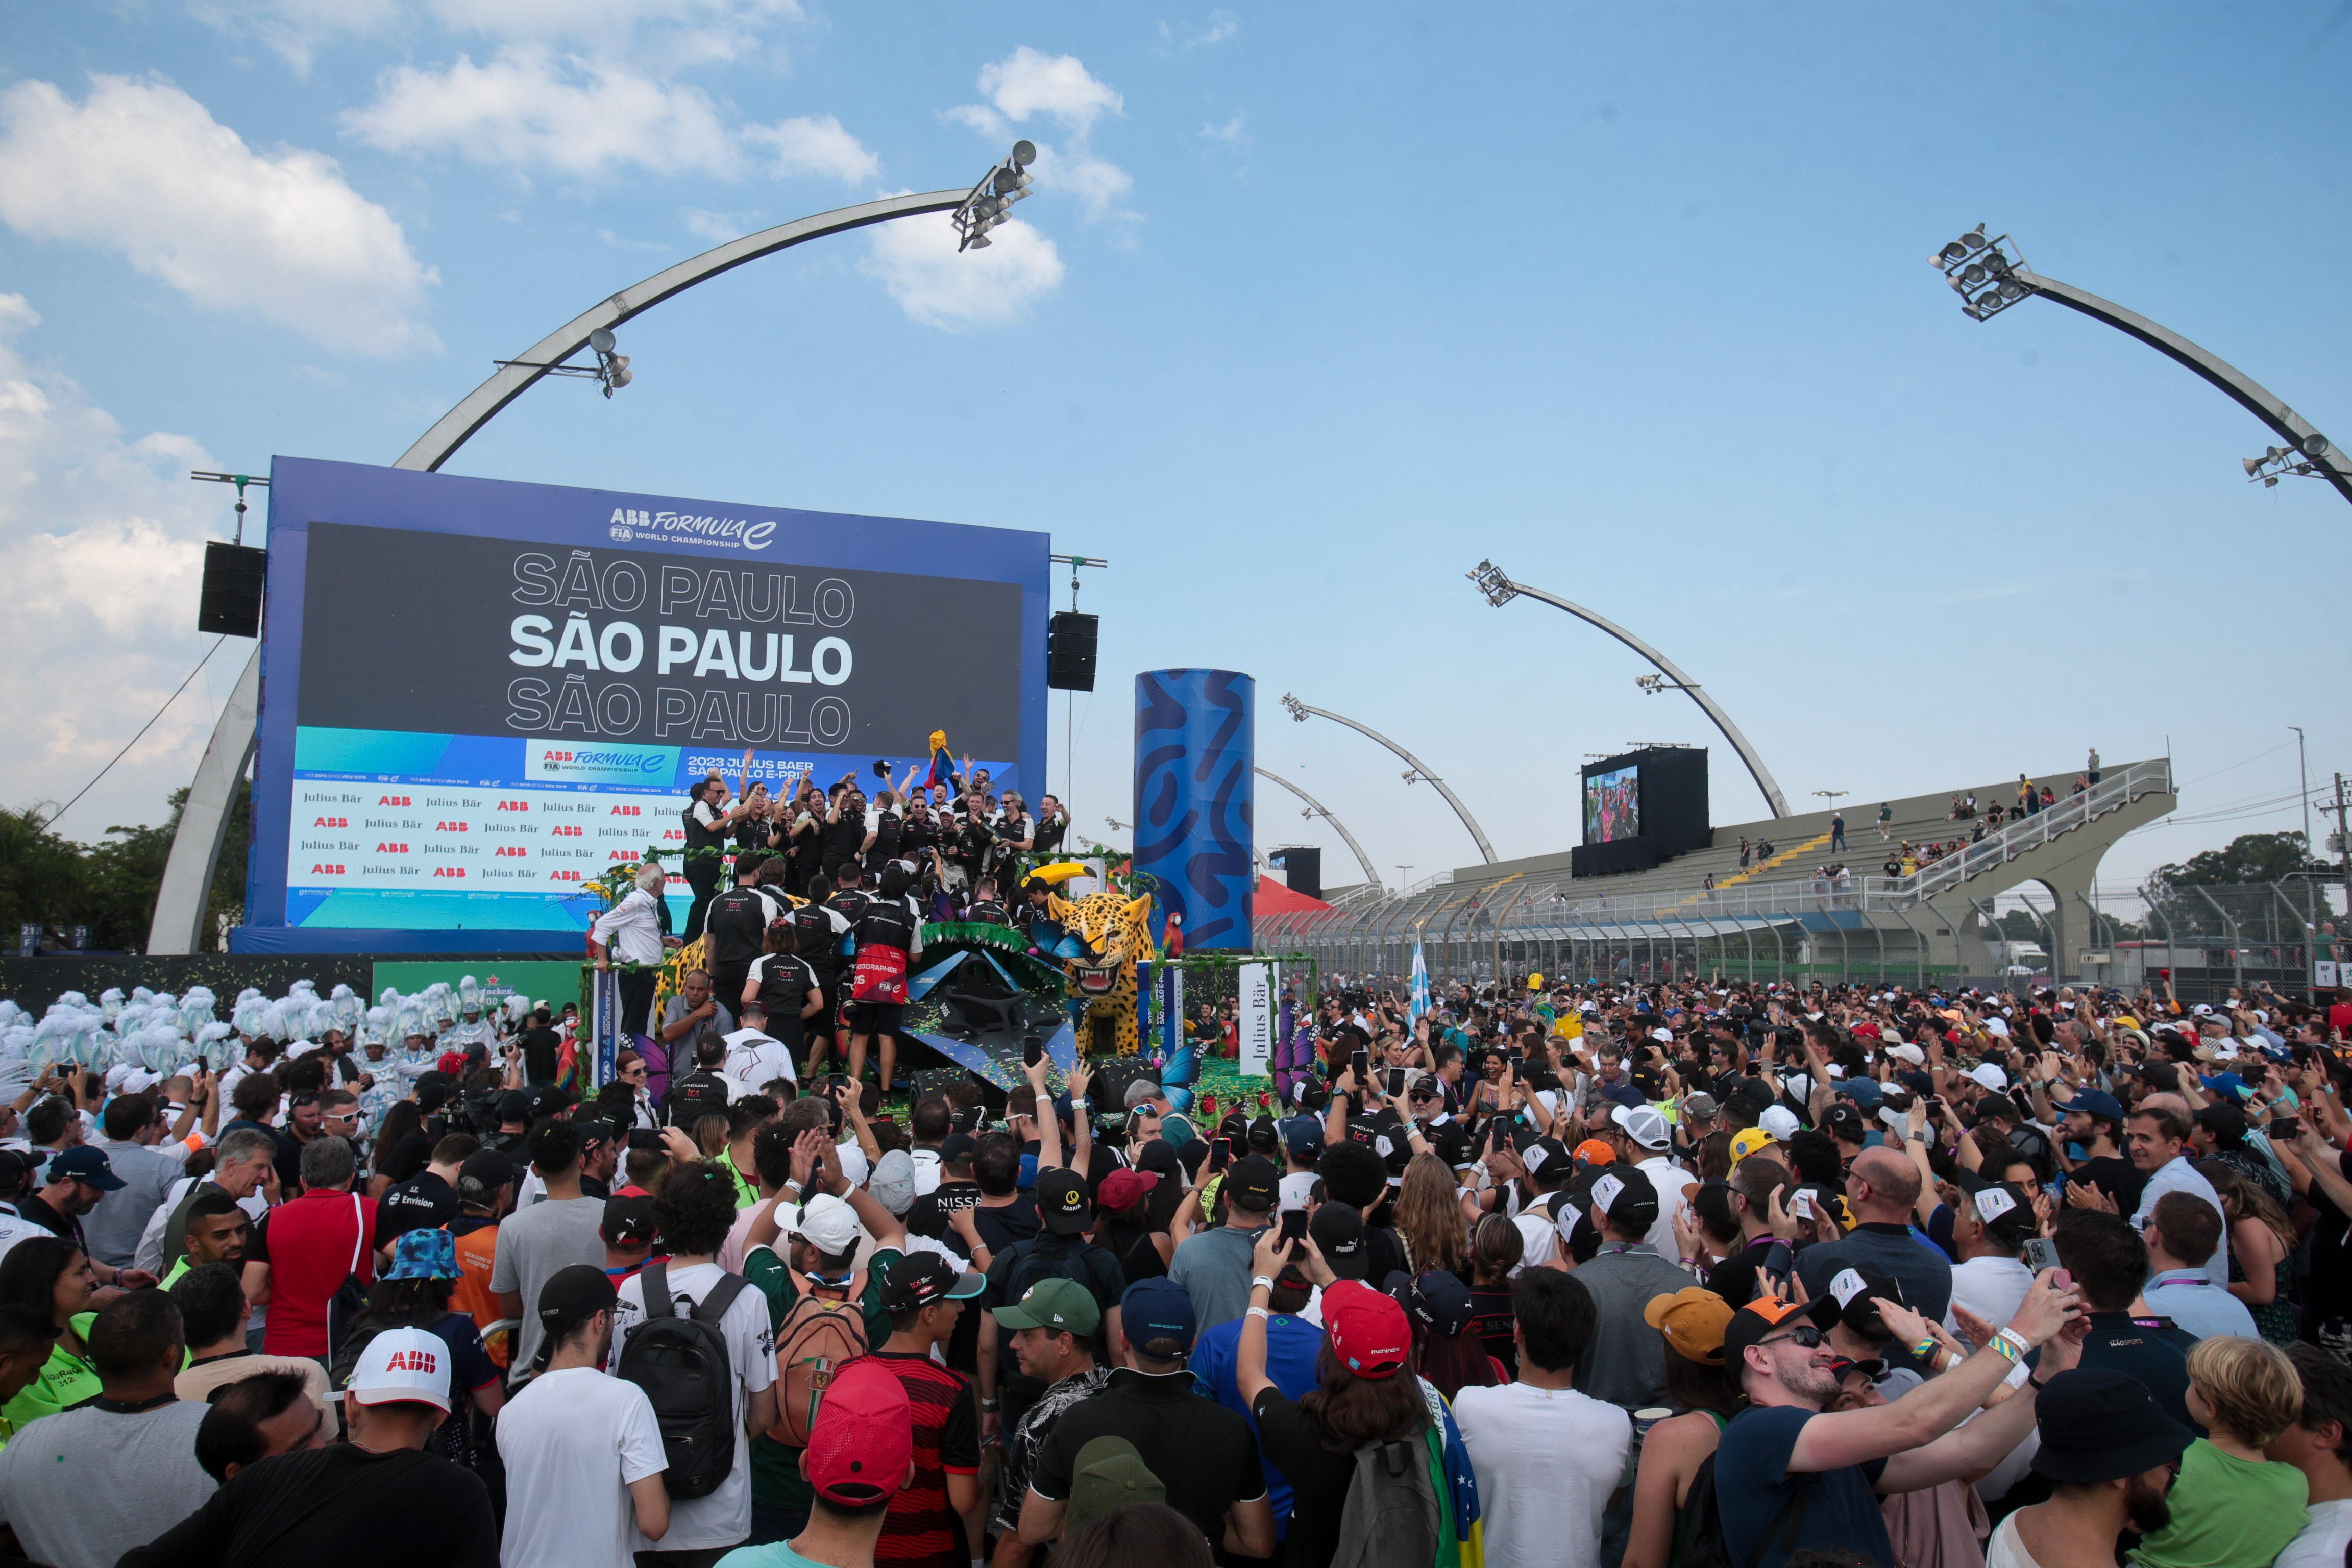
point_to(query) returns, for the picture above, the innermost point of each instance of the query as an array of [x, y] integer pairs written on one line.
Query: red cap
[[1369, 1331], [1123, 1189], [864, 1437]]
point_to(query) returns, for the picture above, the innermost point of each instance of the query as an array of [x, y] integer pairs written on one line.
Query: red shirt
[[309, 1245]]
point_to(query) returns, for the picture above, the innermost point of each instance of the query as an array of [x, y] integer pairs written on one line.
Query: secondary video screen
[[1612, 806]]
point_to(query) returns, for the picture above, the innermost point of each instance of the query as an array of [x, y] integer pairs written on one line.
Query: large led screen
[[477, 695], [1612, 806]]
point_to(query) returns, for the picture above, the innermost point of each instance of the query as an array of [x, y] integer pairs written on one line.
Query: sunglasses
[[1804, 1336]]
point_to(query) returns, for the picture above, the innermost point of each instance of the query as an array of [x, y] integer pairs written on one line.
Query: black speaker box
[[1070, 651], [230, 604]]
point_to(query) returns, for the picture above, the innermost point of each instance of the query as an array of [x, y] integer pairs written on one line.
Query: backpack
[[1066, 1259], [1702, 1545], [1391, 1519], [682, 1365], [812, 1342]]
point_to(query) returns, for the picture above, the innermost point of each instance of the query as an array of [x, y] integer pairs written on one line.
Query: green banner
[[552, 983]]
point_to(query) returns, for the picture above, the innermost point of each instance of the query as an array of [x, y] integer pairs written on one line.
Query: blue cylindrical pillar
[[1195, 794]]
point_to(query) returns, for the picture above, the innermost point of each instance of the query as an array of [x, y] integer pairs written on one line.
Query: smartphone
[[1033, 1050], [1517, 1056], [836, 1082], [2040, 1253], [1293, 1224], [1361, 1061], [1396, 1080], [1221, 1150], [2285, 1128]]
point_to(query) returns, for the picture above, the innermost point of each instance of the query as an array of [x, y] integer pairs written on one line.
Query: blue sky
[[1315, 306]]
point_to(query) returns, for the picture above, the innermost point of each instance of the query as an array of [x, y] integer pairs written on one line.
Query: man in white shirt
[[631, 930], [695, 1207], [1643, 1138], [1547, 1458], [2319, 1443], [754, 1056], [583, 1450]]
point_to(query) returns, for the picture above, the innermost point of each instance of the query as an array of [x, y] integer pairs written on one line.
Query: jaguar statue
[[1112, 933]]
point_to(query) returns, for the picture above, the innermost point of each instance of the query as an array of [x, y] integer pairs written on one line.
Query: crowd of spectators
[[1686, 1274]]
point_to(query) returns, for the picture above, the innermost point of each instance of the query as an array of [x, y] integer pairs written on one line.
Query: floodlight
[[2252, 465], [1950, 254], [1006, 181], [2314, 445], [1974, 239], [1296, 709], [1024, 154], [600, 340], [1493, 584]]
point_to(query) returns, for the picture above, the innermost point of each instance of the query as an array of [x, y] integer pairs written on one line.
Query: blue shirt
[[2200, 1306], [1925, 1274], [1752, 1480], [1292, 1347]]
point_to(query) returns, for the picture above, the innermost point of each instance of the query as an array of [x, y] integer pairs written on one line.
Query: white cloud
[[669, 33], [297, 29], [916, 260], [101, 542], [1233, 132], [140, 168], [815, 145], [1223, 25], [1028, 82], [719, 227], [527, 108]]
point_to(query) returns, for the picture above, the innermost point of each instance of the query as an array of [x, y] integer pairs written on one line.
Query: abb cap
[[864, 1439], [404, 1366]]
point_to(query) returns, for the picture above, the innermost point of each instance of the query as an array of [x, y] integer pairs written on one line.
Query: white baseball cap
[[402, 1366], [1906, 1053], [1780, 1122], [1642, 1125], [829, 1224], [1989, 1076]]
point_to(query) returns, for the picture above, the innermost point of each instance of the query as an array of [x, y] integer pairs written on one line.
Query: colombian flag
[[942, 765]]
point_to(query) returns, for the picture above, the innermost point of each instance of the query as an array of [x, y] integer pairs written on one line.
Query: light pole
[[2302, 771], [186, 887], [1501, 590], [1989, 275], [1416, 771], [1316, 808]]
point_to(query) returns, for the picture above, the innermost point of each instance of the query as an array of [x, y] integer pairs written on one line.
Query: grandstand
[[1780, 917]]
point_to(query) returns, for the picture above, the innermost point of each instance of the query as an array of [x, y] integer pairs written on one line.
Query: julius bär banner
[[478, 695]]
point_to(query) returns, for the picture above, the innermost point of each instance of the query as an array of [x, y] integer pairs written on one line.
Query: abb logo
[[448, 827], [556, 756], [563, 876], [412, 1361], [673, 835], [327, 870], [622, 855], [514, 805], [512, 851], [449, 870], [628, 811], [392, 848], [567, 833], [391, 800], [332, 822]]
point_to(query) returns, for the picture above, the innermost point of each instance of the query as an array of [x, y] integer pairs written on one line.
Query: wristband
[[2009, 1345], [1081, 1105], [987, 1404], [1263, 1279], [1260, 1313], [1925, 1351]]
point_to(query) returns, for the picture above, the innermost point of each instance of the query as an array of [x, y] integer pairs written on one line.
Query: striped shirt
[[923, 1529]]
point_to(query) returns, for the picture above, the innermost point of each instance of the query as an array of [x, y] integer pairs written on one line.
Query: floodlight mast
[[1419, 770], [1500, 590], [1990, 274], [1316, 808], [186, 888]]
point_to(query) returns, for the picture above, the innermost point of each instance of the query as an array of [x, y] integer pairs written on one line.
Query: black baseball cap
[[1626, 1195], [628, 1221], [483, 1174], [1769, 1317], [1843, 1119], [956, 1148], [1338, 1231], [1855, 1287], [576, 1288], [514, 1105], [1062, 1205], [1253, 1184], [922, 1278]]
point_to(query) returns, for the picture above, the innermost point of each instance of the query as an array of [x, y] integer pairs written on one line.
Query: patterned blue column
[[1195, 745]]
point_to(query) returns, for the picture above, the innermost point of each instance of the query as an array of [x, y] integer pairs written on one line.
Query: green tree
[[110, 887]]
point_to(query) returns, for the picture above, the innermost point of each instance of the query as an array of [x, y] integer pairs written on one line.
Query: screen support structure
[[1501, 590], [180, 902]]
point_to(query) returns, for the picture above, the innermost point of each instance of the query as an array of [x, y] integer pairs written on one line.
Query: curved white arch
[[1319, 809]]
